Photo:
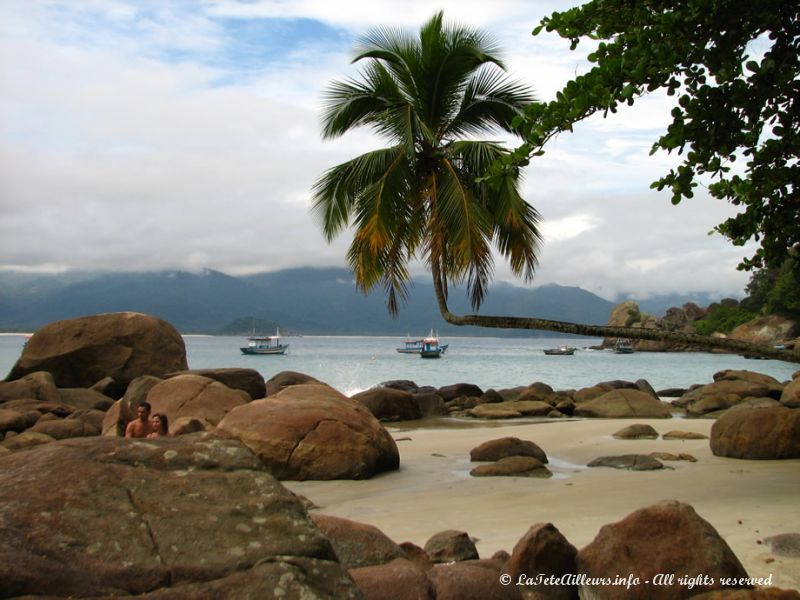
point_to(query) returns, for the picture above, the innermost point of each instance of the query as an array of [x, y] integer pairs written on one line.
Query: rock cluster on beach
[[86, 513], [199, 516]]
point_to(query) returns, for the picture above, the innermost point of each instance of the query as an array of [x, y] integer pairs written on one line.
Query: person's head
[[160, 423], [143, 411]]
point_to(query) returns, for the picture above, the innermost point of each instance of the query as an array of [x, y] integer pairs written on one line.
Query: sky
[[149, 135]]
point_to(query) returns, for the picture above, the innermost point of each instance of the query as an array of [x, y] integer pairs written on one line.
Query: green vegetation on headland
[[771, 291]]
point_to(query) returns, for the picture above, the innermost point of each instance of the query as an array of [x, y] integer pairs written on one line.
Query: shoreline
[[745, 500]]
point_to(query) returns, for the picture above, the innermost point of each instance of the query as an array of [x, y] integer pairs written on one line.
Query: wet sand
[[744, 500]]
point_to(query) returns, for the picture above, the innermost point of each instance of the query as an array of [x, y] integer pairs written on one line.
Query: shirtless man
[[141, 426]]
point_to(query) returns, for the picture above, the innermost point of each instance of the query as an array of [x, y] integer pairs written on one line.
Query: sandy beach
[[745, 500]]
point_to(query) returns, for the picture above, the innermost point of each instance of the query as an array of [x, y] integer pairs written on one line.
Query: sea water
[[353, 364]]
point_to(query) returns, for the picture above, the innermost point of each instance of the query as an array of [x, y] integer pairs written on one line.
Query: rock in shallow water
[[633, 462]]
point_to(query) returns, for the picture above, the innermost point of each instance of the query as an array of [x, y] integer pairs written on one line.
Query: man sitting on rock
[[141, 426]]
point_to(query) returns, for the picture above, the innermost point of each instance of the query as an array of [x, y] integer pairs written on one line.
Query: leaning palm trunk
[[699, 341]]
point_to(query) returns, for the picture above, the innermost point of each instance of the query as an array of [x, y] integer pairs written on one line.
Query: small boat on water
[[431, 347], [415, 346], [265, 344], [560, 351], [623, 346]]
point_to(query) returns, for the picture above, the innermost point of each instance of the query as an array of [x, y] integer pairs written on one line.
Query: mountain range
[[305, 300]]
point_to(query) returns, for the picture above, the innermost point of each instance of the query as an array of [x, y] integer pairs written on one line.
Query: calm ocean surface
[[352, 364]]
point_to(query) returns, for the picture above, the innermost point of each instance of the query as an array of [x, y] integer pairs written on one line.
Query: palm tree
[[420, 197], [425, 195]]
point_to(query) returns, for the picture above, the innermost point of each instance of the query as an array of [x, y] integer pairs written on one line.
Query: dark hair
[[164, 423], [146, 405]]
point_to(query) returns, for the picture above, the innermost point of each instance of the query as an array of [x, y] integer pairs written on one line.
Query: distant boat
[[431, 347], [560, 351], [415, 346], [623, 346], [265, 344]]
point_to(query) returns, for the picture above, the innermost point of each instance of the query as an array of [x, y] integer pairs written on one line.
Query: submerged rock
[[513, 466], [633, 462]]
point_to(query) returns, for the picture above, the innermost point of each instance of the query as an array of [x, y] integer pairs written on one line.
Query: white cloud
[[139, 136]]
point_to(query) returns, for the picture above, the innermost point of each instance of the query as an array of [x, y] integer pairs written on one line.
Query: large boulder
[[357, 544], [64, 428], [595, 391], [624, 404], [544, 550], [80, 352], [37, 386], [470, 581], [249, 381], [726, 391], [83, 398], [285, 379], [450, 392], [757, 433], [665, 538], [430, 404], [194, 396], [791, 394], [311, 431], [385, 582], [450, 545], [18, 421], [169, 518], [389, 404]]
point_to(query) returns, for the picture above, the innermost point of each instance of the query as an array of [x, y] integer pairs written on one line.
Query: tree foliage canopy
[[420, 196], [733, 66]]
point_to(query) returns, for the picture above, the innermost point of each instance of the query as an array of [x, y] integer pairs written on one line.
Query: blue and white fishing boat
[[416, 346], [265, 344], [431, 348]]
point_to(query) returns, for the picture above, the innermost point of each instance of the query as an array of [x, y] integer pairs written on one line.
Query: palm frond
[[490, 99], [468, 230], [338, 194], [516, 223], [349, 104]]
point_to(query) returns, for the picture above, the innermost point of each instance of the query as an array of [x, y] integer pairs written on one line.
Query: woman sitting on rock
[[159, 425]]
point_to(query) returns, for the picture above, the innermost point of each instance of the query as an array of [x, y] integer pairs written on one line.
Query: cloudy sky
[[141, 135]]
